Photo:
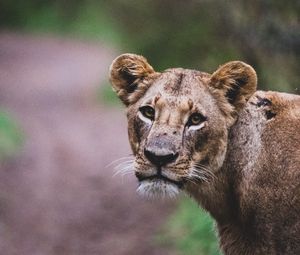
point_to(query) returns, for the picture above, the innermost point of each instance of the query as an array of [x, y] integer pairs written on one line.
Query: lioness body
[[236, 151], [255, 197]]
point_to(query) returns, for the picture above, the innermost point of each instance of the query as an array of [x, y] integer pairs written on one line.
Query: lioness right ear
[[233, 84], [126, 76]]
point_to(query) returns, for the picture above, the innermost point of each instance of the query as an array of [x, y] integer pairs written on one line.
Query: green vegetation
[[84, 19], [10, 136], [107, 95], [191, 230]]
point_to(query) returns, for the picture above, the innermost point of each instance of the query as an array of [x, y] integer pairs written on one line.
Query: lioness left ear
[[235, 82], [126, 75]]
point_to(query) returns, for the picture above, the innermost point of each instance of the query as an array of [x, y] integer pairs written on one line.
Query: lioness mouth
[[141, 178]]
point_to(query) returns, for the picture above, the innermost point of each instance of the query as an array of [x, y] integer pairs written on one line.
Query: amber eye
[[148, 112], [196, 119]]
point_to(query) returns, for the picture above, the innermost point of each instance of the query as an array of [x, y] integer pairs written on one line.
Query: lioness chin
[[235, 150]]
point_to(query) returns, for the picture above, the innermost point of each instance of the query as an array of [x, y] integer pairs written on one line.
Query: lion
[[235, 150]]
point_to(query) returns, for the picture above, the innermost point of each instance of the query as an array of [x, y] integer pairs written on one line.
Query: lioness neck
[[220, 196], [223, 196], [217, 197]]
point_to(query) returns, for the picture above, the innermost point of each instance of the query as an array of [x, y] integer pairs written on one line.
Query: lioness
[[236, 151]]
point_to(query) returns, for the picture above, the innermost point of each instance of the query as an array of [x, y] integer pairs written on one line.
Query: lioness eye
[[148, 112], [196, 119]]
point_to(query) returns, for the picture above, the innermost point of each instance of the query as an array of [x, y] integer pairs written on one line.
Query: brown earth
[[56, 196]]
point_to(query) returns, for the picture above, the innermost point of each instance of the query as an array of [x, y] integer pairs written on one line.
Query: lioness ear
[[126, 75], [235, 82]]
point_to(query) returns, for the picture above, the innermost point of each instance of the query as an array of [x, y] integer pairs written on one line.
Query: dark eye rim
[[202, 118], [143, 110]]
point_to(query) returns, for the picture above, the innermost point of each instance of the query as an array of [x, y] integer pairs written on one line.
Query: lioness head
[[178, 120]]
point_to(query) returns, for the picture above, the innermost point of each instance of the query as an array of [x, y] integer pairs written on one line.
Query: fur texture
[[236, 151]]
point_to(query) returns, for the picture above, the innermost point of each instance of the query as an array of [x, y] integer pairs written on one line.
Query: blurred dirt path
[[57, 197]]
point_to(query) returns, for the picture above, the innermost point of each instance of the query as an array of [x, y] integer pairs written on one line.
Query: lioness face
[[177, 131], [178, 120]]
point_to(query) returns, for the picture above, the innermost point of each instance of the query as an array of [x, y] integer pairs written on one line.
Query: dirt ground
[[57, 197]]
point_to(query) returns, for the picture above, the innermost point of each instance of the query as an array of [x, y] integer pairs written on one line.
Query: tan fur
[[126, 72], [241, 162]]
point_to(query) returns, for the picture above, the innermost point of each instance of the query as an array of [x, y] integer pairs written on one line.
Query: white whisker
[[201, 173], [119, 159], [125, 167], [204, 170], [198, 177]]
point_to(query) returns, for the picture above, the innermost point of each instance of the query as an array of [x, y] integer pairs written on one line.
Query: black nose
[[160, 159]]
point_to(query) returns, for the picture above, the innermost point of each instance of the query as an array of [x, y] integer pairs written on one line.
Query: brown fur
[[241, 163]]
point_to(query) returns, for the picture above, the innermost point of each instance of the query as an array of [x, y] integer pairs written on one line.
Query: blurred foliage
[[88, 19], [190, 230], [107, 95], [198, 34], [10, 136]]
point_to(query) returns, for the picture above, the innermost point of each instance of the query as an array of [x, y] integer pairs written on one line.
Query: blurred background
[[63, 132]]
